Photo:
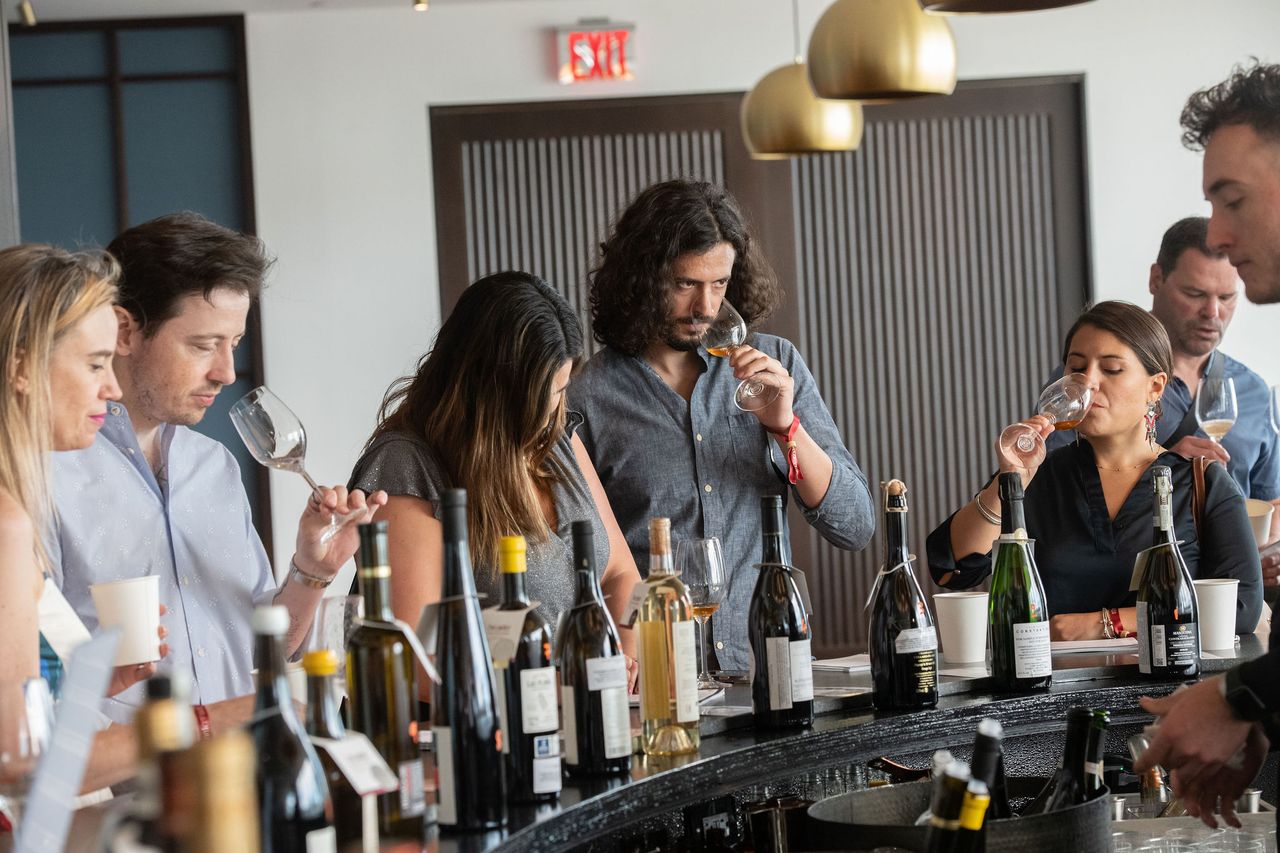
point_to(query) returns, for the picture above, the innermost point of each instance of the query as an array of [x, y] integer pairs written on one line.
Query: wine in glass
[[1216, 408], [727, 332], [276, 438], [1065, 403], [700, 563]]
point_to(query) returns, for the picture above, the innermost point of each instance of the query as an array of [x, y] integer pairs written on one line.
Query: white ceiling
[[63, 10]]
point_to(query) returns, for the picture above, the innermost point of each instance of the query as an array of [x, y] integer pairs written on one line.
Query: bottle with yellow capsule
[[525, 677]]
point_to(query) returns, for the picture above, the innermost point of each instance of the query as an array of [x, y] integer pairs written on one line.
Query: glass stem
[[703, 674]]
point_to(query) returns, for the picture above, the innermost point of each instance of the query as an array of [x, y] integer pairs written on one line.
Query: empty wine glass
[[26, 725], [700, 563], [1065, 403], [276, 438], [1216, 408], [727, 332]]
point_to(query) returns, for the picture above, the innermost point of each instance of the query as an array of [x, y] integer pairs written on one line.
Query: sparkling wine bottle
[[1018, 618], [1168, 636], [1066, 786]]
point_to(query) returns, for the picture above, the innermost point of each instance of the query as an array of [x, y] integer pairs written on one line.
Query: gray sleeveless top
[[402, 463]]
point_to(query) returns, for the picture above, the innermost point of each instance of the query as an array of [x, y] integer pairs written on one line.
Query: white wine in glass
[[727, 332], [1216, 407], [700, 564], [1065, 403]]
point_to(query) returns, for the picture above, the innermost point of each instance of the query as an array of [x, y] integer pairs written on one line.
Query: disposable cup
[[1260, 513], [1216, 600], [962, 621], [133, 606]]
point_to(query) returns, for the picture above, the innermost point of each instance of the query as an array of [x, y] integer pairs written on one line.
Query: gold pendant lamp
[[782, 117], [982, 7], [881, 50]]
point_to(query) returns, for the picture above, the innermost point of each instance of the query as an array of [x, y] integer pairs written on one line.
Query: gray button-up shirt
[[706, 464], [115, 521]]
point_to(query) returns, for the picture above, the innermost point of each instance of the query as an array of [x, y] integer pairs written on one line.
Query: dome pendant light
[[982, 7], [881, 50], [782, 117]]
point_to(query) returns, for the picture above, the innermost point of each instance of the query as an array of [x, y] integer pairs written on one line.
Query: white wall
[[343, 167]]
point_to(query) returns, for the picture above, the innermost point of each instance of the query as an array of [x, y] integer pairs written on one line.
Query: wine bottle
[[1168, 637], [1018, 617], [222, 812], [470, 772], [973, 815], [779, 635], [353, 827], [988, 765], [943, 830], [165, 727], [593, 674], [667, 649], [293, 796], [901, 635], [382, 689], [1095, 752], [1066, 786], [527, 689], [942, 759]]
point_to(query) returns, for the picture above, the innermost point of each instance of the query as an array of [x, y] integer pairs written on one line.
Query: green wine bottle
[[1018, 617], [1168, 636]]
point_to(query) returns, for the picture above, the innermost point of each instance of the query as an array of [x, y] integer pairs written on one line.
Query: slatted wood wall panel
[[544, 205], [929, 313]]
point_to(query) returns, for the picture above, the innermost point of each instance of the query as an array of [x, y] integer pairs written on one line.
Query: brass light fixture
[[27, 13], [782, 117], [881, 50], [419, 5], [971, 7]]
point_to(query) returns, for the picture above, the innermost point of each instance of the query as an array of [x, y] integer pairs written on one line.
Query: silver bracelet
[[991, 517], [308, 580]]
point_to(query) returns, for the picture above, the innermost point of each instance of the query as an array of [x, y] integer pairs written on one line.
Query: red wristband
[[202, 721], [794, 474], [1117, 625]]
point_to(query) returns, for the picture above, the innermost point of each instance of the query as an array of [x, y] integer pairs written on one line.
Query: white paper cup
[[1216, 600], [962, 621], [133, 606], [1259, 519]]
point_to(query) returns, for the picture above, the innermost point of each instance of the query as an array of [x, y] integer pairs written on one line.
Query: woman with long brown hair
[[485, 411]]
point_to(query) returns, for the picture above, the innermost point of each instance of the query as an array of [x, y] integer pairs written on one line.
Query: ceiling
[[62, 10]]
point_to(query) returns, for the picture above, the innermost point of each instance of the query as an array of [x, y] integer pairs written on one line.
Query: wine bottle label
[[1158, 656], [322, 841], [369, 822], [684, 647], [911, 640], [570, 726], [778, 663], [1144, 639], [638, 594], [538, 701], [546, 775], [1093, 768], [605, 673], [360, 762], [617, 722], [801, 671], [502, 628], [446, 785], [500, 699], [1180, 643], [413, 794], [1032, 657]]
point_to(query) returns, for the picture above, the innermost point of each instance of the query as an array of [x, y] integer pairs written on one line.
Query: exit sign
[[596, 50]]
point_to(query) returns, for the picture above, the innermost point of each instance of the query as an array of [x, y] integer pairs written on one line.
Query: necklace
[[1128, 468]]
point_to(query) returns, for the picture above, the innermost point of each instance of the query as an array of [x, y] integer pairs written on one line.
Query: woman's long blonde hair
[[44, 292], [479, 399]]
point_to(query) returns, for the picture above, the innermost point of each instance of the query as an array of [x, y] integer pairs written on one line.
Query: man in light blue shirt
[[152, 496], [1194, 293]]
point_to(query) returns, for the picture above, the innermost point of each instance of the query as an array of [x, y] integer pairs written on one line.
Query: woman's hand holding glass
[[1024, 457]]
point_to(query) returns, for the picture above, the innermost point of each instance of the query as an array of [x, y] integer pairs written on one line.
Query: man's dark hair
[[1251, 96], [173, 256], [629, 289], [1189, 233]]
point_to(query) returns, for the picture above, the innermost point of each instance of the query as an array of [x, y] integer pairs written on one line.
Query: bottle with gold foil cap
[[222, 806], [355, 829]]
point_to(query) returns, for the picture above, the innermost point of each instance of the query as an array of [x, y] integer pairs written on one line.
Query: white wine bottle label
[[322, 841], [912, 640], [778, 658], [617, 722], [1180, 644], [1032, 657], [538, 701], [685, 649], [605, 673], [446, 784], [413, 793], [801, 671], [546, 775], [500, 699], [568, 713], [1144, 640]]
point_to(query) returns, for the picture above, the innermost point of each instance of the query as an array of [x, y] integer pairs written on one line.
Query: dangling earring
[[1150, 417]]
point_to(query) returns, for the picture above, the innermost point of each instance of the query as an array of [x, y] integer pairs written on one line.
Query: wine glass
[[26, 725], [1064, 402], [276, 438], [336, 620], [1216, 407], [727, 332], [700, 563]]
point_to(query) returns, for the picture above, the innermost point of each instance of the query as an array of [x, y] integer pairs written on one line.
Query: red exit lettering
[[600, 55]]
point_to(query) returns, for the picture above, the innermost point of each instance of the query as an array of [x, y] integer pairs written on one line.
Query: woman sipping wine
[[1089, 505]]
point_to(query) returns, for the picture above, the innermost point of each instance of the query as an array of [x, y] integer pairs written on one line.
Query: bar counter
[[846, 734]]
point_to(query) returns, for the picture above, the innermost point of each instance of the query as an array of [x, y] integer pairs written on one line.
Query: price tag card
[[363, 766], [638, 592], [419, 650], [503, 627]]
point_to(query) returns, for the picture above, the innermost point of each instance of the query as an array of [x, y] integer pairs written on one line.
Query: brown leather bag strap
[[1198, 466]]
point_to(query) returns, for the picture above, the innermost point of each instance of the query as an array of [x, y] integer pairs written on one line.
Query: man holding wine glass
[[151, 496], [692, 417]]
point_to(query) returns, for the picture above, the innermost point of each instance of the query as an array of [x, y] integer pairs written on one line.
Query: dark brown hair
[[1250, 96], [479, 399], [173, 256], [1189, 233], [1136, 328], [629, 288]]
